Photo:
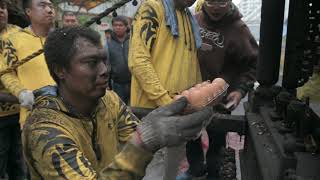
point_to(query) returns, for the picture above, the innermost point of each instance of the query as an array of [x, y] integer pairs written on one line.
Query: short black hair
[[121, 19], [7, 2], [60, 46], [26, 4], [68, 13], [108, 31]]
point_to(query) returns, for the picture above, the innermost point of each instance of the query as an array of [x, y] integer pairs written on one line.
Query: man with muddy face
[[80, 130]]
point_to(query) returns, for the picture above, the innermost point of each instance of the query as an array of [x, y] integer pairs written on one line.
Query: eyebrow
[[99, 55], [45, 2]]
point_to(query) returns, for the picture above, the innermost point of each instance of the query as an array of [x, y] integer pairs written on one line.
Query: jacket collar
[[48, 97]]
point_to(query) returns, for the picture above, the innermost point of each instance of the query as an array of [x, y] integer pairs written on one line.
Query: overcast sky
[[236, 1], [193, 6]]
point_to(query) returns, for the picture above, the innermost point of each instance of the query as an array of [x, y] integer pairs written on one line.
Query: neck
[[83, 106], [41, 30], [2, 29], [121, 38]]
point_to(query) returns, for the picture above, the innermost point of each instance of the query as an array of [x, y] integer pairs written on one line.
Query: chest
[[101, 140]]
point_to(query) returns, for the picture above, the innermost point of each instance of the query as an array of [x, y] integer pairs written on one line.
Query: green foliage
[[83, 18]]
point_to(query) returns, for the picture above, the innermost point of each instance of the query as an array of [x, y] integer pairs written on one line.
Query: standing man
[[118, 47], [229, 51], [163, 60], [11, 160], [69, 19], [33, 74]]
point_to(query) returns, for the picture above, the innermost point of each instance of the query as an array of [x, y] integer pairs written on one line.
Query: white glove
[[26, 99]]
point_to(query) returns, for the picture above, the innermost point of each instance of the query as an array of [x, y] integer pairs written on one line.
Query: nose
[[103, 69], [49, 9]]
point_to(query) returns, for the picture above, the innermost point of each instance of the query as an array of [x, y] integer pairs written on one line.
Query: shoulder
[[44, 124], [13, 28], [10, 31], [16, 35], [151, 8], [41, 116], [157, 4], [111, 99], [44, 129], [240, 26]]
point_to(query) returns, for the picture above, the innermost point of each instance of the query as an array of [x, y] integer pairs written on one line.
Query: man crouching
[[76, 130]]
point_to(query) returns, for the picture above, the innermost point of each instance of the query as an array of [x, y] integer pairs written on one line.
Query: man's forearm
[[8, 98]]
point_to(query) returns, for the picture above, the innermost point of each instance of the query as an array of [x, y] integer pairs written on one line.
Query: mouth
[[216, 15], [103, 84], [49, 17]]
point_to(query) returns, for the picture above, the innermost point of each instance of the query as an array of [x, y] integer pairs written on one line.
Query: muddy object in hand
[[204, 94]]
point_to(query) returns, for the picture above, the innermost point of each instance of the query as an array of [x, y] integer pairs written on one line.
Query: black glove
[[166, 126]]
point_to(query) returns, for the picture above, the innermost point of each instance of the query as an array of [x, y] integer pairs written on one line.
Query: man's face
[[107, 35], [181, 4], [216, 9], [87, 75], [41, 12], [3, 15], [119, 28], [70, 20]]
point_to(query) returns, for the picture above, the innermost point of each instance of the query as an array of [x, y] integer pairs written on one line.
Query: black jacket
[[118, 58]]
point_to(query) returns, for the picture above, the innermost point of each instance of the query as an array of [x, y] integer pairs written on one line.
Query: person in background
[[69, 19], [163, 62], [118, 47], [107, 34], [11, 160], [80, 130], [311, 88], [228, 51], [33, 74]]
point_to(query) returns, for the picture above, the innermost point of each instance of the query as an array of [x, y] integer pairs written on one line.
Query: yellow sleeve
[[54, 155], [129, 164], [9, 57], [126, 122], [144, 33]]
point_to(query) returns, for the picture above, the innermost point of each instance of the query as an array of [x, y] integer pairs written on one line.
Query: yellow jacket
[[311, 89], [161, 65], [31, 75], [198, 7], [7, 109], [59, 144]]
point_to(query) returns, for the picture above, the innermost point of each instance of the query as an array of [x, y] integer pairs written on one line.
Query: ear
[[59, 72], [28, 11]]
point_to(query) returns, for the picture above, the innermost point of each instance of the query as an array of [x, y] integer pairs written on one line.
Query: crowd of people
[[59, 112]]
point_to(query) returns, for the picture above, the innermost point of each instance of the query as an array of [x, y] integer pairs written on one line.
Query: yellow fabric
[[161, 65], [57, 143], [31, 75], [199, 5], [311, 89], [7, 109]]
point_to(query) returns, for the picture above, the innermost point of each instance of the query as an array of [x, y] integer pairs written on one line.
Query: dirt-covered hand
[[166, 126]]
